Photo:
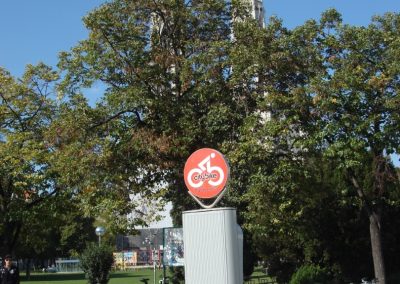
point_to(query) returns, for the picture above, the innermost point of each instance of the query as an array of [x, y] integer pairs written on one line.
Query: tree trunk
[[28, 269], [375, 233], [376, 245]]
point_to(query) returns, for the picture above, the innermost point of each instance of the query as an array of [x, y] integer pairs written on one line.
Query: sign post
[[213, 241], [206, 173]]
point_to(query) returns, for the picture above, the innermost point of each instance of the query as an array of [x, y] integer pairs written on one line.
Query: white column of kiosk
[[213, 241]]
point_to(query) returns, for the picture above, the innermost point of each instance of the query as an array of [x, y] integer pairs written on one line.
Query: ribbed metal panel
[[212, 247]]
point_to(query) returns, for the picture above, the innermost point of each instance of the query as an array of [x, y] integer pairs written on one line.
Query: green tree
[[334, 102], [45, 154], [173, 74], [270, 177], [177, 80], [357, 102], [309, 275], [61, 231], [96, 261], [167, 71], [26, 112]]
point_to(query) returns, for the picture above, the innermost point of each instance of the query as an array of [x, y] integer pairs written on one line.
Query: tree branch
[[116, 116], [16, 115], [41, 199], [130, 67], [362, 196]]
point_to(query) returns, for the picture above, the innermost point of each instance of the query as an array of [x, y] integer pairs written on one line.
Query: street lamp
[[153, 256], [100, 232]]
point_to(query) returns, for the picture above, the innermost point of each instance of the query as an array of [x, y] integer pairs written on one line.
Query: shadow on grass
[[77, 276], [54, 277], [124, 275]]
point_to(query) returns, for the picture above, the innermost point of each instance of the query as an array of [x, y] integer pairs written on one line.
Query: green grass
[[131, 277]]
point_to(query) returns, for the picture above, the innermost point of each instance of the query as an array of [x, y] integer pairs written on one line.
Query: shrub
[[310, 274], [96, 262]]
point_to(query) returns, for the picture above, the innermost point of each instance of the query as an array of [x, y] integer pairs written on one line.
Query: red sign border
[[218, 189]]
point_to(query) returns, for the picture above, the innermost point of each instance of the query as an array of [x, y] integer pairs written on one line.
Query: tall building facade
[[257, 10]]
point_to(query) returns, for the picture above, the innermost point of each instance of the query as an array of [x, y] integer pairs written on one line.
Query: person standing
[[9, 272]]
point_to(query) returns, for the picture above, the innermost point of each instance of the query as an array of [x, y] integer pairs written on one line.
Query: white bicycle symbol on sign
[[200, 177]]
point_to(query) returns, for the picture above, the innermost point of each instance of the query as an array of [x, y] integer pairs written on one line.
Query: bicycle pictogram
[[206, 172]]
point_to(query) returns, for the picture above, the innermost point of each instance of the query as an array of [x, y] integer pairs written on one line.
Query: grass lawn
[[120, 277], [131, 277]]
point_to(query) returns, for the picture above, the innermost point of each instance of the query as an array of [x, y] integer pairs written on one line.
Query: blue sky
[[37, 30], [355, 12]]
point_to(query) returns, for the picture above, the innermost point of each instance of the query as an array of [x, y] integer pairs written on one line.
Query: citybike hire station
[[213, 239]]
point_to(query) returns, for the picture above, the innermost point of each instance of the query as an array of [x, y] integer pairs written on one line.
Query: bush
[[310, 274], [96, 262]]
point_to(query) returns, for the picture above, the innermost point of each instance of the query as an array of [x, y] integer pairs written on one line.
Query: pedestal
[[213, 247]]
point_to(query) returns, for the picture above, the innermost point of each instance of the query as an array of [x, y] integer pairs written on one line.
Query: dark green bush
[[310, 274], [96, 261]]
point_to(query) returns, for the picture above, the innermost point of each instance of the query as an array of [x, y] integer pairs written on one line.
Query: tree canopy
[[333, 127], [308, 119]]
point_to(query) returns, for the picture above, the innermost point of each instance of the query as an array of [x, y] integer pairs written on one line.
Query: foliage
[[309, 274], [26, 180], [45, 155], [327, 142], [96, 261], [167, 69], [355, 102], [307, 118], [55, 233]]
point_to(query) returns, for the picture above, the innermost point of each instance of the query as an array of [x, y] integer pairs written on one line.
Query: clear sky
[[37, 30], [355, 12]]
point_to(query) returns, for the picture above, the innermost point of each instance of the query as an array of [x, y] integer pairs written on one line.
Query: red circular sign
[[206, 173]]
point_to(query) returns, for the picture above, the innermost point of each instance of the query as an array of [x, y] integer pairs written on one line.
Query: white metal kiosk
[[213, 247]]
